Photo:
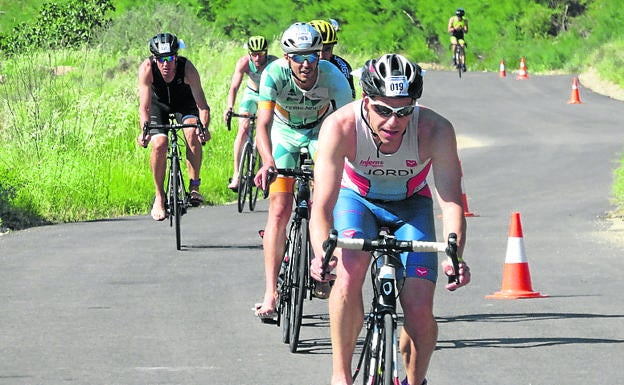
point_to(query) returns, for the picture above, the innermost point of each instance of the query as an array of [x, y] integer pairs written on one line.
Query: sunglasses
[[387, 111], [163, 59], [299, 59]]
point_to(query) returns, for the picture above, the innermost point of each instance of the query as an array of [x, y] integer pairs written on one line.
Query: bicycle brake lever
[[145, 131], [329, 245], [451, 252], [271, 175]]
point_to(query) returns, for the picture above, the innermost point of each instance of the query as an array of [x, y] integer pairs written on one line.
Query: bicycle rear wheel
[[243, 180], [298, 292]]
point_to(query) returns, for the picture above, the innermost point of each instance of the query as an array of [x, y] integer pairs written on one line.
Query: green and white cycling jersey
[[298, 108], [298, 113]]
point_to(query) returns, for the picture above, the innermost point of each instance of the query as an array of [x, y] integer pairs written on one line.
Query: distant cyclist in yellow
[[251, 65], [457, 27]]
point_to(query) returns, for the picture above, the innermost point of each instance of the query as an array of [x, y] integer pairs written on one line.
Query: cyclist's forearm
[[204, 117]]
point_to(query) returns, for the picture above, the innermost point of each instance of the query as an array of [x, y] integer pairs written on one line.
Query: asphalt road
[[112, 302]]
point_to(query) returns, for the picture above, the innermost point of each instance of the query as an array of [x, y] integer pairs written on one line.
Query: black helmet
[[460, 12], [392, 75], [164, 44]]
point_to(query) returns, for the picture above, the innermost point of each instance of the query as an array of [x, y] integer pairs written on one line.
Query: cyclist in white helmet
[[297, 92], [371, 168]]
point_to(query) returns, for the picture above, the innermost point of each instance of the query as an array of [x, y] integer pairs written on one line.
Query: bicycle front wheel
[[389, 366], [299, 260], [243, 181], [175, 203], [253, 190], [285, 290]]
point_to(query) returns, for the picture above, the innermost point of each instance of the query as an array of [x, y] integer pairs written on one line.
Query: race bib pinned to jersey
[[397, 86], [164, 48]]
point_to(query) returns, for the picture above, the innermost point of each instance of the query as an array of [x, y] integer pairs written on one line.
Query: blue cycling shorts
[[409, 219]]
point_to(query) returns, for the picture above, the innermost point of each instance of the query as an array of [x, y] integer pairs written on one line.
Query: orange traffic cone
[[523, 74], [516, 276], [467, 212], [574, 95], [501, 69]]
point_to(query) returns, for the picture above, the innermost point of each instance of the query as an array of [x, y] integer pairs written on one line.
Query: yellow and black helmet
[[257, 44], [327, 31]]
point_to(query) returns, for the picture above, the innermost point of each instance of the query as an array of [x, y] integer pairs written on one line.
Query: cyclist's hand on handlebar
[[227, 115], [316, 269], [464, 274], [143, 139], [265, 176], [202, 133]]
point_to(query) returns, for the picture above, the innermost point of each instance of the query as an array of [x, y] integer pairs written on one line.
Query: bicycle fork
[[385, 305]]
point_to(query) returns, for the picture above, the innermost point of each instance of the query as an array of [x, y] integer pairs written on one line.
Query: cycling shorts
[[159, 114], [455, 40], [287, 143], [249, 102], [409, 219]]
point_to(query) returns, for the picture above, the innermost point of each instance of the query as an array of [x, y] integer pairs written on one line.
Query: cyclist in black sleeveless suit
[[170, 84]]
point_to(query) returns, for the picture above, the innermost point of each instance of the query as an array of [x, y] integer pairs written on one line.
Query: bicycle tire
[[174, 193], [253, 189], [388, 367], [285, 297], [300, 267], [243, 180]]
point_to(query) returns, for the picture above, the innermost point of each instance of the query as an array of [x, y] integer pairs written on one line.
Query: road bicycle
[[379, 355], [249, 164], [177, 197], [296, 283], [457, 58]]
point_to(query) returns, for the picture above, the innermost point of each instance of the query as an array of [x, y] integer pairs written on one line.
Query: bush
[[70, 24]]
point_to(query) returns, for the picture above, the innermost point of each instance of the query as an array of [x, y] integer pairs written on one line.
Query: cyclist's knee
[[159, 143]]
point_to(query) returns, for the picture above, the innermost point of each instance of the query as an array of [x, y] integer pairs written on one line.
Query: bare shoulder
[[338, 131], [145, 66], [434, 131], [342, 120], [429, 119], [243, 63], [145, 71]]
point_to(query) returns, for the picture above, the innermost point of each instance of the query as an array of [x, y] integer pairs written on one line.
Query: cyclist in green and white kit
[[251, 65], [296, 93]]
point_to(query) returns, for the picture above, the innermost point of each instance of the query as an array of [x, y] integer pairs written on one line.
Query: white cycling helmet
[[301, 38]]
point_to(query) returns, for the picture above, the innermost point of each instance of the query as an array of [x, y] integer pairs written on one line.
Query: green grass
[[70, 152]]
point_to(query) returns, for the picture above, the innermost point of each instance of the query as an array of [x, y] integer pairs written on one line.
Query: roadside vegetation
[[68, 92]]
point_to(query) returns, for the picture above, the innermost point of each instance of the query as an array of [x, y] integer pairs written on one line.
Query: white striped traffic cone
[[516, 275]]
